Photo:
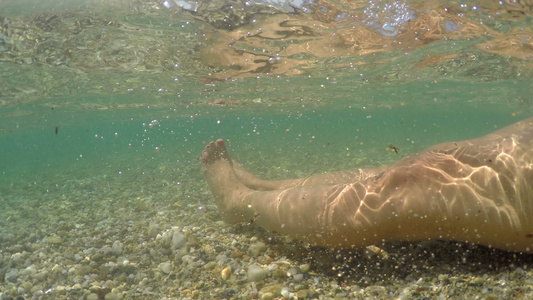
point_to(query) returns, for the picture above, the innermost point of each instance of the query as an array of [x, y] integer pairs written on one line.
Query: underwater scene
[[106, 107]]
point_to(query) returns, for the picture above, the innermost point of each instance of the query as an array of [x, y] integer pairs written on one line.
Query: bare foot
[[226, 187]]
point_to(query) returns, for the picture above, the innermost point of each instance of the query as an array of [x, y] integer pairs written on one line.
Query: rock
[[258, 249], [92, 296], [256, 273], [178, 239], [11, 275], [54, 240], [279, 273], [301, 294], [298, 277], [305, 268], [100, 291], [165, 267], [31, 270], [117, 248], [274, 289], [285, 292], [112, 296], [27, 286], [226, 273], [210, 265], [41, 275]]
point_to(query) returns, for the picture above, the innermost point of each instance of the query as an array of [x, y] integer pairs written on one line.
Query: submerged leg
[[257, 183], [478, 191]]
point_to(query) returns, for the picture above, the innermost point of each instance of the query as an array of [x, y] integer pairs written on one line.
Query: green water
[[129, 110], [109, 140]]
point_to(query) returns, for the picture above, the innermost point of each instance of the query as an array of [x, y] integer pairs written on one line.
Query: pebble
[[11, 275], [112, 296], [256, 273], [226, 273], [305, 268], [274, 289], [92, 296], [29, 271], [258, 249], [54, 240], [298, 277], [165, 267], [302, 294], [285, 292], [178, 239]]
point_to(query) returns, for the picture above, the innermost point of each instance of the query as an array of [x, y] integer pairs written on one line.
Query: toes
[[213, 151]]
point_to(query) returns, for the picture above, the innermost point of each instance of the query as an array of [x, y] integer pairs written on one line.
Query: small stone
[[92, 296], [54, 240], [112, 296], [279, 273], [27, 286], [178, 239], [99, 291], [210, 265], [298, 277], [226, 273], [236, 254], [196, 293], [117, 248], [61, 289], [477, 281], [31, 270], [258, 249], [36, 289], [165, 267], [11, 275], [274, 289], [285, 292], [305, 268], [267, 296], [376, 290], [110, 284], [256, 273], [301, 294], [41, 275]]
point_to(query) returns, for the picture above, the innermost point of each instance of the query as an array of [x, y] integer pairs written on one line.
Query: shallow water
[[106, 107]]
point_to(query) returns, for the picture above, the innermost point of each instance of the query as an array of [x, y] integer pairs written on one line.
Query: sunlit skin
[[477, 191]]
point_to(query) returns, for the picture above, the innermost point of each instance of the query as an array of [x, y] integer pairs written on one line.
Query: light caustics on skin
[[477, 191]]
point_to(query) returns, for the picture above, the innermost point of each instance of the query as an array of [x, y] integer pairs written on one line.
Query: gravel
[[82, 241]]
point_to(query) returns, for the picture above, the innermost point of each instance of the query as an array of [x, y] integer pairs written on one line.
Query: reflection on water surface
[[176, 48]]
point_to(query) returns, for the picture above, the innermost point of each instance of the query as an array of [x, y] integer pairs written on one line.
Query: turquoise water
[[104, 114], [110, 139]]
